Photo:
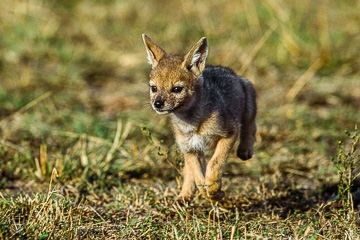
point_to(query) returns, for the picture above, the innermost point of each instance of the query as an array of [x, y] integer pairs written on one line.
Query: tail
[[248, 126]]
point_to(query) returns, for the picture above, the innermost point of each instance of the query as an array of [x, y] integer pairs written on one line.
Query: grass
[[82, 155]]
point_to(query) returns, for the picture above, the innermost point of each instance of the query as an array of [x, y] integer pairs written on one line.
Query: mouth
[[166, 111], [161, 112]]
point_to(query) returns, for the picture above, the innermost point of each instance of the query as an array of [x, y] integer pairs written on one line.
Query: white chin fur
[[162, 113]]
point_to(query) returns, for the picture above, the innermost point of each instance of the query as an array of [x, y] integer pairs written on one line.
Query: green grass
[[82, 155]]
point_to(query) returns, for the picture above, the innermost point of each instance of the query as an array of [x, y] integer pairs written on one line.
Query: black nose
[[158, 104]]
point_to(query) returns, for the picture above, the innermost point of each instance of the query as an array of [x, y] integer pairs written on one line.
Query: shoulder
[[219, 77], [215, 70]]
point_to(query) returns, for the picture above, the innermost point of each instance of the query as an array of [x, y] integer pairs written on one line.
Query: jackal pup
[[210, 108]]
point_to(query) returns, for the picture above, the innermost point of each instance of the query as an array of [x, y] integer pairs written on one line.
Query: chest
[[194, 138]]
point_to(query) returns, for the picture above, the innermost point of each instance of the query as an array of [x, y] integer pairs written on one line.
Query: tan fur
[[195, 163], [196, 130]]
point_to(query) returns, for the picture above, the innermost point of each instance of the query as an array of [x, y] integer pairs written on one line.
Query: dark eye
[[153, 88], [177, 89]]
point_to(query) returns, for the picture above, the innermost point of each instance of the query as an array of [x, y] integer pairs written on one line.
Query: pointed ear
[[195, 59], [154, 52]]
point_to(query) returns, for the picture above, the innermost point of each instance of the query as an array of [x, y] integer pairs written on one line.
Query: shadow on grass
[[287, 202]]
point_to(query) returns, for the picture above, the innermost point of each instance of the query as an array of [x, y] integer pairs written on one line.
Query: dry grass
[[82, 155]]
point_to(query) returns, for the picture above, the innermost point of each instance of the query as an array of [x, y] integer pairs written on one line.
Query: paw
[[213, 191], [184, 199], [245, 154], [214, 197]]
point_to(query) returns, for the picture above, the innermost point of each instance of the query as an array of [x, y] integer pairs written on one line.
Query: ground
[[82, 154]]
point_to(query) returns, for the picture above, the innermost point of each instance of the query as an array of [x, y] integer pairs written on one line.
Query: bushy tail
[[248, 126]]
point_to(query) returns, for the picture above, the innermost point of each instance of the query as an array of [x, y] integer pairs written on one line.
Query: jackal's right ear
[[154, 52]]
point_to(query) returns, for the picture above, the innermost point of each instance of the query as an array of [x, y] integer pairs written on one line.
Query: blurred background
[[74, 96], [73, 78]]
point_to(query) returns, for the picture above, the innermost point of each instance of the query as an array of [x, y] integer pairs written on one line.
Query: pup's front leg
[[194, 170], [215, 167]]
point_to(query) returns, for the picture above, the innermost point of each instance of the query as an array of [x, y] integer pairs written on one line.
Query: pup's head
[[173, 79]]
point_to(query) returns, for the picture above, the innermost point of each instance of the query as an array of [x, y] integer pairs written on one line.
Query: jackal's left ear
[[154, 52], [195, 59]]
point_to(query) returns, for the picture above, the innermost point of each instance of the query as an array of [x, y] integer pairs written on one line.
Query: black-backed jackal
[[210, 108]]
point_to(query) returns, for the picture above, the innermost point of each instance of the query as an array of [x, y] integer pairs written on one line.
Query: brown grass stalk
[[26, 107], [260, 43], [303, 79]]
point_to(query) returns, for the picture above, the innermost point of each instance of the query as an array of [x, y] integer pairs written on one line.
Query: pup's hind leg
[[247, 139]]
